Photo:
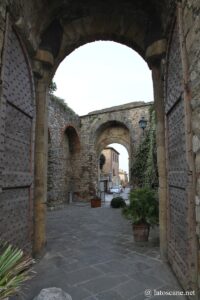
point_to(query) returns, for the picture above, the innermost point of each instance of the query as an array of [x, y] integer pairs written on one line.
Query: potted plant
[[96, 201], [142, 212]]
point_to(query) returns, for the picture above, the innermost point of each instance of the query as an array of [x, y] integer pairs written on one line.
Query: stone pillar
[[41, 139], [154, 54], [161, 157], [43, 62]]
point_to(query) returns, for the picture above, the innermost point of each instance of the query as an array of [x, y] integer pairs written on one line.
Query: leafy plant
[[102, 161], [14, 270], [52, 87], [61, 102], [143, 207], [117, 202], [144, 170]]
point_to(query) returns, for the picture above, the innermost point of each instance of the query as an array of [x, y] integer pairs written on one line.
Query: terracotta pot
[[95, 202], [140, 232]]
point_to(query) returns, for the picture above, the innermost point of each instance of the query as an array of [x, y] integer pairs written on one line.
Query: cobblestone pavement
[[91, 255]]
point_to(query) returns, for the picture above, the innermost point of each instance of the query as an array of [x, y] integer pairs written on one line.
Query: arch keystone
[[45, 57]]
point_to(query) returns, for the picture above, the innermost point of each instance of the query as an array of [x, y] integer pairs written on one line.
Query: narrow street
[[109, 197]]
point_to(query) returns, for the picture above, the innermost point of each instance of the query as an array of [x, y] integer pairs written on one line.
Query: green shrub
[[145, 171], [117, 202]]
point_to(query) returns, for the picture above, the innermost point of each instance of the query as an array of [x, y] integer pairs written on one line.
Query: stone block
[[197, 209], [197, 162], [197, 200], [53, 293], [195, 103], [196, 122], [196, 143]]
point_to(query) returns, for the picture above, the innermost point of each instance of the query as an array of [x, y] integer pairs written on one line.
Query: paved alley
[[91, 255]]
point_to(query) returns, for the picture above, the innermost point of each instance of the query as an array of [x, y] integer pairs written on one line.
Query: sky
[[100, 75]]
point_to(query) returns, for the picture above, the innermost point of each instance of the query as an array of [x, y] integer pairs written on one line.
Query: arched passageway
[[103, 127], [113, 168], [108, 133], [147, 28]]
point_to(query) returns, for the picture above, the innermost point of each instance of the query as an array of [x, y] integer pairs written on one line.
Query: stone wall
[[51, 32], [76, 171], [63, 151], [101, 128]]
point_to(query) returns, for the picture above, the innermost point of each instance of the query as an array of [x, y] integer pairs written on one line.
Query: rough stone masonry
[[34, 39], [75, 144]]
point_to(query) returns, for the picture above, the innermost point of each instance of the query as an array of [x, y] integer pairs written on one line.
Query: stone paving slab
[[91, 255]]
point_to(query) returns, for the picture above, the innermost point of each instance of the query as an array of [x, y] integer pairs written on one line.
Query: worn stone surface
[[53, 293], [63, 152], [91, 254]]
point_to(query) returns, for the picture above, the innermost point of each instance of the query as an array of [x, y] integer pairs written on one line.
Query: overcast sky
[[103, 74]]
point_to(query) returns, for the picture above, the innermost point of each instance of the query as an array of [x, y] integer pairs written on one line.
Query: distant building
[[109, 174], [123, 175]]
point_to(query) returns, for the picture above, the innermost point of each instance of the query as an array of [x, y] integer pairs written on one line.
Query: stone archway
[[100, 128], [60, 36], [113, 132], [109, 133], [66, 25]]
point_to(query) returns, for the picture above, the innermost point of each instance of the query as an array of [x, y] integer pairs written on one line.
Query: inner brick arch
[[111, 132], [73, 139], [71, 161]]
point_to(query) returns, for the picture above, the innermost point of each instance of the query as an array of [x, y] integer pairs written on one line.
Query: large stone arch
[[34, 19], [101, 128], [90, 29], [133, 28]]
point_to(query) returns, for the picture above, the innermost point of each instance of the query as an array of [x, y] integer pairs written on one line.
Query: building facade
[[110, 171], [123, 175]]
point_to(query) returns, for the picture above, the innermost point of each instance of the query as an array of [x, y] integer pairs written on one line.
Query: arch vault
[[166, 34]]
